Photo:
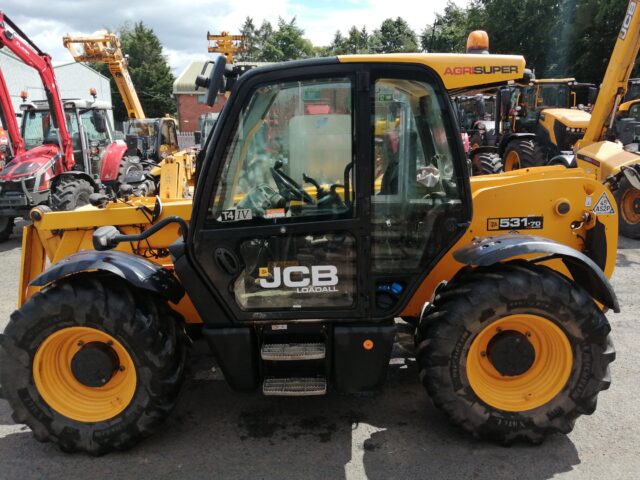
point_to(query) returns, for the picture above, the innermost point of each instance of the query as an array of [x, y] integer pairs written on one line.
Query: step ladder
[[294, 369]]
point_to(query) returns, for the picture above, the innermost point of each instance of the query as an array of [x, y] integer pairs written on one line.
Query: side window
[[416, 191], [290, 155]]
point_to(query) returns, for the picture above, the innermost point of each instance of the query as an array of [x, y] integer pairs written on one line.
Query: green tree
[[286, 43], [249, 51], [149, 70], [338, 44], [593, 37], [394, 36], [449, 31]]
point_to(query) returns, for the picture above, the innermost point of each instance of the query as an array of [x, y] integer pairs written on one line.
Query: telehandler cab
[[300, 249]]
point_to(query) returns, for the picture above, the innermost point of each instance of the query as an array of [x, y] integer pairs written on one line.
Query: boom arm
[[30, 54], [8, 118], [614, 84], [104, 47]]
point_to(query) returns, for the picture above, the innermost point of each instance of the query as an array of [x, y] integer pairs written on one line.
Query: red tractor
[[69, 151]]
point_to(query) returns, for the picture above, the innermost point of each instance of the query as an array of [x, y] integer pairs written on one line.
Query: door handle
[[226, 261]]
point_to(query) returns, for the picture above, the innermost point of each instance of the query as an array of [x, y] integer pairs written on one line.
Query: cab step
[[276, 352], [294, 387]]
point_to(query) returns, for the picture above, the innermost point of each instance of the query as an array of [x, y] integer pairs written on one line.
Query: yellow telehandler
[[301, 246]]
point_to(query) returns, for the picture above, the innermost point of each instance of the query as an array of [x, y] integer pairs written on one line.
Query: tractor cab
[[88, 125], [152, 139]]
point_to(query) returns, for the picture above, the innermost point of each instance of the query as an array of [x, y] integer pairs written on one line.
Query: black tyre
[[129, 166], [71, 193], [133, 344], [6, 227], [490, 163], [514, 352], [628, 200], [522, 153]]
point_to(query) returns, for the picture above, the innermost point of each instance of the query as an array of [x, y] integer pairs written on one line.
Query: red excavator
[[71, 153]]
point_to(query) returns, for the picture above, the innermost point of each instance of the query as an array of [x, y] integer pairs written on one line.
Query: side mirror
[[197, 136], [215, 83], [593, 95], [104, 238], [99, 121]]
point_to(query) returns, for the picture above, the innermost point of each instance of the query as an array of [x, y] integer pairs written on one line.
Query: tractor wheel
[[628, 200], [514, 352], [70, 193], [128, 165], [6, 227], [91, 364], [522, 153], [490, 163]]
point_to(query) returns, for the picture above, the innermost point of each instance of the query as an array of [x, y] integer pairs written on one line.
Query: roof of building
[[186, 81], [67, 64]]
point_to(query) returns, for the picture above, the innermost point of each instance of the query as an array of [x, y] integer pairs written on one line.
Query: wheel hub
[[94, 364], [511, 353]]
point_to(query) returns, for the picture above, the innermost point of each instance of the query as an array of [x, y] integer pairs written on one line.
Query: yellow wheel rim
[[544, 379], [60, 389], [511, 161], [630, 198]]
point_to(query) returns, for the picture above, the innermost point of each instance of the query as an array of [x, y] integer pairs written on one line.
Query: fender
[[504, 141], [77, 174], [584, 271], [135, 270], [565, 159], [112, 160]]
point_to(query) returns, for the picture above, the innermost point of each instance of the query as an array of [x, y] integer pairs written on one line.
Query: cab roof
[[68, 103]]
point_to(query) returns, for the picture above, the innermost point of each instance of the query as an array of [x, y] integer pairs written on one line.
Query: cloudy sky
[[182, 25]]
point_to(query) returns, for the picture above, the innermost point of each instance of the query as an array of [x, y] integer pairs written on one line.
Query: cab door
[[280, 228]]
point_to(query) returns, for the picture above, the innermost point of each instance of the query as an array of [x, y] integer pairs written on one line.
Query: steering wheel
[[288, 187]]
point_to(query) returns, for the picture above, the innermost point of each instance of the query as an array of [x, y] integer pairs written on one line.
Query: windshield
[[142, 128], [95, 133], [554, 95], [37, 128]]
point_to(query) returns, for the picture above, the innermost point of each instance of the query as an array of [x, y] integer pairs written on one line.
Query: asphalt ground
[[397, 433]]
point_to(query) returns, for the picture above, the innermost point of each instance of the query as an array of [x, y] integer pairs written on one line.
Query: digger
[[295, 257]]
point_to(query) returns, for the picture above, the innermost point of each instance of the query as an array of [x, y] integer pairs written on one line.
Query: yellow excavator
[[154, 140]]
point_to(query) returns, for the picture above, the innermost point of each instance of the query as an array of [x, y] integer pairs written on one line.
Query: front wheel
[[523, 153], [628, 200], [92, 365], [514, 352], [70, 193]]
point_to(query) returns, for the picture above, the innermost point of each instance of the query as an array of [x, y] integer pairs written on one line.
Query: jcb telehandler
[[296, 256]]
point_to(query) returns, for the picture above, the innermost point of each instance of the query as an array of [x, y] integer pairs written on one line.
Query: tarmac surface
[[218, 433]]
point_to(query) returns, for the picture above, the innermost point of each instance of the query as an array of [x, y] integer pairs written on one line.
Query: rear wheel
[[521, 153], [71, 193], [514, 352], [6, 227], [490, 163], [92, 365], [628, 199]]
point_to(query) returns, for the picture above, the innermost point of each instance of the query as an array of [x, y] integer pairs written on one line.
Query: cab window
[[416, 190], [290, 155]]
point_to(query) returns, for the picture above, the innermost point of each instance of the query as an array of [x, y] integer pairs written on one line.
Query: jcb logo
[[627, 20], [317, 279]]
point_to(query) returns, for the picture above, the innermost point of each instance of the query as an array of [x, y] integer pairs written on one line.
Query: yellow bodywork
[[603, 159], [456, 71], [569, 118], [59, 234]]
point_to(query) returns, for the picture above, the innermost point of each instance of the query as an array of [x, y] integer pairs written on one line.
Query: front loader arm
[[16, 41]]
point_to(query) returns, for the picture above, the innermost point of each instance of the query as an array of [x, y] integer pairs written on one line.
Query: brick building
[[191, 102]]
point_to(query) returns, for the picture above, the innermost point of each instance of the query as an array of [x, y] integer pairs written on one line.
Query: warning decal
[[603, 207]]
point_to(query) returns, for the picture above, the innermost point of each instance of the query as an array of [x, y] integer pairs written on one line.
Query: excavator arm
[[104, 47], [615, 81], [16, 41]]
